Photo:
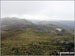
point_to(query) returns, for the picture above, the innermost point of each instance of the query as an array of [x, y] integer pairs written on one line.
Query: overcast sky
[[38, 10]]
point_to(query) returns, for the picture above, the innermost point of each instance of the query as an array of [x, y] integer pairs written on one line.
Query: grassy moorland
[[29, 41], [22, 37]]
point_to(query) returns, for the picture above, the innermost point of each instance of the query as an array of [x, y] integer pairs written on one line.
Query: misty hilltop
[[14, 23], [22, 23]]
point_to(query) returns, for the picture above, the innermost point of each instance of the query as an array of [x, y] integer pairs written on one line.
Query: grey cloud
[[61, 9]]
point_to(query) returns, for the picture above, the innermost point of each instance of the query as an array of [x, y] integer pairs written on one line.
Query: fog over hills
[[37, 27], [14, 23], [69, 24], [17, 23]]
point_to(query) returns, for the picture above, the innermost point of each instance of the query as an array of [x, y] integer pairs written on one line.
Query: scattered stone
[[35, 43]]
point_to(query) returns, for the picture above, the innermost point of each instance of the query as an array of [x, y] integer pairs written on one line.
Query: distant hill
[[14, 23], [68, 25]]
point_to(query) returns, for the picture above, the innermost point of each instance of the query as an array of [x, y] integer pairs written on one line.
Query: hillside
[[14, 23], [23, 37]]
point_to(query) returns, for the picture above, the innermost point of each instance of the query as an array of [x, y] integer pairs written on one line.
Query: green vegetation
[[31, 42]]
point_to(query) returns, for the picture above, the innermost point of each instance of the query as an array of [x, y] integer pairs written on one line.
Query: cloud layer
[[38, 10]]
